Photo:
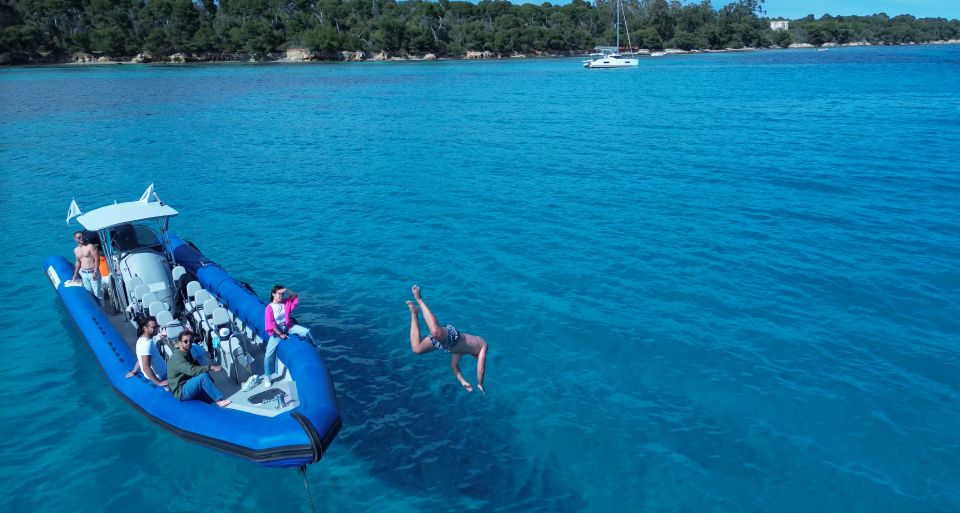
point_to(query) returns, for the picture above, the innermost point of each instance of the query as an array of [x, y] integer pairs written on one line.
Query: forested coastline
[[52, 31]]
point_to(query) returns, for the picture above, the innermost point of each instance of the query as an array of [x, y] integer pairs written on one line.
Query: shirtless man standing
[[447, 339], [88, 264]]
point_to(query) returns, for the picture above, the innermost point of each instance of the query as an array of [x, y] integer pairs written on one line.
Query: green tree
[[323, 39], [258, 37], [108, 40], [685, 41], [650, 39], [781, 38]]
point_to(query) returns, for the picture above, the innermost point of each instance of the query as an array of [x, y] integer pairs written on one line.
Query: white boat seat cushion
[[174, 329], [244, 359], [178, 273], [202, 297], [207, 310], [192, 288], [156, 307], [199, 298], [221, 318], [209, 306], [163, 317], [147, 299], [139, 291]]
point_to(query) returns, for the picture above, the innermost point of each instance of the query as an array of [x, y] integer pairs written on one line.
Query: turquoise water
[[725, 283]]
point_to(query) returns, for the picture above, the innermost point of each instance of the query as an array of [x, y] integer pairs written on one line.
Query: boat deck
[[259, 400]]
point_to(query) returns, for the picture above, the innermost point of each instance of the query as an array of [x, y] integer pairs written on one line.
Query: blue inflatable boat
[[148, 271]]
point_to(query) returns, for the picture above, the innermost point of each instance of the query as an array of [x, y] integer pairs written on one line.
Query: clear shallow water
[[715, 283]]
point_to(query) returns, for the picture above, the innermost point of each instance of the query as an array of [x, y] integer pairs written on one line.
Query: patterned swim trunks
[[453, 336]]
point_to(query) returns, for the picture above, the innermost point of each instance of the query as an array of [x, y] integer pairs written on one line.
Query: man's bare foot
[[467, 386], [413, 308], [482, 391], [223, 403], [416, 292]]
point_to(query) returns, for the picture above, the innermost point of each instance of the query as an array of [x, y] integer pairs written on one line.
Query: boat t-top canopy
[[120, 213], [604, 51]]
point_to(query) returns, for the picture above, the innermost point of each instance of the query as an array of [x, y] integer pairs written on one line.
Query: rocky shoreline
[[305, 55], [289, 55]]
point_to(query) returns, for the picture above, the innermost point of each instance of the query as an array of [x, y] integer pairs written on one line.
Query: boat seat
[[163, 317], [134, 283], [166, 350], [156, 307], [177, 274], [201, 298], [147, 299], [237, 321], [197, 313], [196, 303], [174, 329], [192, 288], [207, 311], [233, 358], [138, 293], [241, 357], [220, 318], [235, 349]]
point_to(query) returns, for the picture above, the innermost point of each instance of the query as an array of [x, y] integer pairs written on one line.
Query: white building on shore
[[780, 25]]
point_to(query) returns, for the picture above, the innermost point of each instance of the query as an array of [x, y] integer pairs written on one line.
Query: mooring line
[[306, 486]]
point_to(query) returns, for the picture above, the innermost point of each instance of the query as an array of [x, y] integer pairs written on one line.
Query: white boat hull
[[611, 63]]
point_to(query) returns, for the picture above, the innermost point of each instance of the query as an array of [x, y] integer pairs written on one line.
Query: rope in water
[[306, 486]]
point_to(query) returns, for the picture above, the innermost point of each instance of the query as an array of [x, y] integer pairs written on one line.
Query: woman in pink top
[[276, 320]]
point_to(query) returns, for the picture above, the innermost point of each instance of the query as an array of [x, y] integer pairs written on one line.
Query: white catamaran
[[610, 56]]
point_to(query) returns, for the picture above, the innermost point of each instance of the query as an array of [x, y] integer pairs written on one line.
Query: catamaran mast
[[618, 26]]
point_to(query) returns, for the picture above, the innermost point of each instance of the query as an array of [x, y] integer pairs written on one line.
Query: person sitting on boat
[[447, 339], [87, 266], [148, 355], [279, 325], [188, 379]]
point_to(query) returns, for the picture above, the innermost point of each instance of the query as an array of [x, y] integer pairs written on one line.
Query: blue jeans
[[269, 359], [90, 283], [200, 387]]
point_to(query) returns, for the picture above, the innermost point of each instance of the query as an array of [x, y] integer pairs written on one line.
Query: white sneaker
[[250, 383], [266, 382]]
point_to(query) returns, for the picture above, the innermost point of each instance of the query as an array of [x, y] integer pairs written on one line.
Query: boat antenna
[[306, 486]]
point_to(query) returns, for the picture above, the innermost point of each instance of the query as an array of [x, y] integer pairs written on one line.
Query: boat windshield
[[131, 237]]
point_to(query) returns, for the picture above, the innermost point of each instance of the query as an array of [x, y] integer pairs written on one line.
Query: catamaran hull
[[290, 439], [626, 63]]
